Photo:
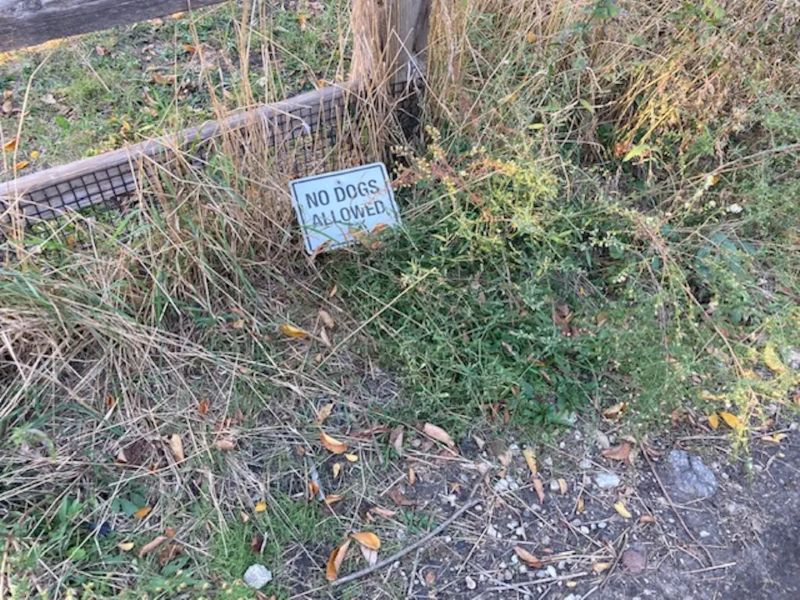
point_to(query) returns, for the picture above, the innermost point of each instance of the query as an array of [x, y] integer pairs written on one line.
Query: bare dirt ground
[[685, 516]]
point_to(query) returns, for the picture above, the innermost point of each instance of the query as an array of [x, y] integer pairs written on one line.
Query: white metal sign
[[335, 208]]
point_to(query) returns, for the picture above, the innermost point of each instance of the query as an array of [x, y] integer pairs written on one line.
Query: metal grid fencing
[[307, 134]]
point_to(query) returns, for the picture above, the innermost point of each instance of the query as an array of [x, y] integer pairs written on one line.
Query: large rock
[[688, 478]]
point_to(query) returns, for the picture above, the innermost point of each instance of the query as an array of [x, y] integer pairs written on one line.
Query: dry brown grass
[[114, 343]]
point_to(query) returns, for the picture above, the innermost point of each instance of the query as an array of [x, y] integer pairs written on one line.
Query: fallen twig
[[407, 550]]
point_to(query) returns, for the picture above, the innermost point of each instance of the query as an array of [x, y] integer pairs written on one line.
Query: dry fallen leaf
[[225, 444], [176, 445], [562, 486], [335, 561], [323, 337], [292, 331], [23, 164], [412, 476], [599, 567], [326, 319], [399, 498], [396, 439], [530, 458], [528, 558], [160, 79], [370, 555], [775, 438], [437, 433], [647, 519], [621, 452], [539, 487], [622, 510], [143, 512], [324, 412], [10, 145], [260, 507], [332, 499], [713, 420], [580, 505], [202, 407], [152, 545], [351, 458], [332, 444], [368, 539], [337, 470], [773, 360], [126, 546], [732, 421], [383, 512], [614, 412]]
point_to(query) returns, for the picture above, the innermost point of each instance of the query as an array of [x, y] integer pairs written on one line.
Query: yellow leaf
[[776, 438], [438, 434], [622, 510], [713, 420], [732, 421], [23, 164], [293, 332], [176, 445], [367, 539], [10, 145], [332, 444], [260, 507], [708, 396], [35, 154], [580, 506], [324, 413], [351, 457], [335, 561], [530, 37], [530, 458], [772, 360], [528, 558], [142, 512], [126, 546], [337, 470], [331, 499], [562, 486], [412, 476]]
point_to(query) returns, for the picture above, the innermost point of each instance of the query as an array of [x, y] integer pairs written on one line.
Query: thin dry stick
[[408, 549], [675, 510]]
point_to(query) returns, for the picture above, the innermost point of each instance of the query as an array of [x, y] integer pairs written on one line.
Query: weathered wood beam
[[390, 40], [29, 22], [115, 175]]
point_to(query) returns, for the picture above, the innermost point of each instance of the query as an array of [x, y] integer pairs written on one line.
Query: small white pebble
[[470, 583]]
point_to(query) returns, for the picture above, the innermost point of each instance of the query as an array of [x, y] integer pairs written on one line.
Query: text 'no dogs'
[[334, 209]]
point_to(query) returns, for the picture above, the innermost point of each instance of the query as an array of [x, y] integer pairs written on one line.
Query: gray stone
[[793, 358], [688, 477], [606, 480], [585, 464], [257, 576]]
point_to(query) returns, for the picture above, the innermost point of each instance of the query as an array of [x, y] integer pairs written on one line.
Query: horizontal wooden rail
[[25, 23], [107, 177]]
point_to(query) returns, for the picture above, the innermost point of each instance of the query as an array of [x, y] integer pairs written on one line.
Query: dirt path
[[700, 522]]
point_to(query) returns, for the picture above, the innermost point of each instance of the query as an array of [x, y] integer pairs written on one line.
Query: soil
[[743, 541]]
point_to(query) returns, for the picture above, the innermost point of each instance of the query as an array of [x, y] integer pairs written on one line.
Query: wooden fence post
[[390, 41]]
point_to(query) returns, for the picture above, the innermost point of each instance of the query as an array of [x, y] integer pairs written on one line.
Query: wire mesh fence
[[305, 135]]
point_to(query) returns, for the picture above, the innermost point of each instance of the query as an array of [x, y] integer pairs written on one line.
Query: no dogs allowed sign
[[335, 208]]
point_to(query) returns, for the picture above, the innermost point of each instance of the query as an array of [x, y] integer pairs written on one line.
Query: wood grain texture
[[79, 186], [29, 22]]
